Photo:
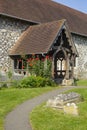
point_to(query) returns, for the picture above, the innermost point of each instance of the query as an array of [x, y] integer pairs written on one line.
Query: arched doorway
[[60, 64], [63, 65]]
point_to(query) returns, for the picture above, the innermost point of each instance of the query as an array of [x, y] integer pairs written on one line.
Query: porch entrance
[[60, 65], [64, 57], [63, 65]]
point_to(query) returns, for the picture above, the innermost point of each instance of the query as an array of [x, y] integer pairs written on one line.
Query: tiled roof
[[41, 11], [37, 39]]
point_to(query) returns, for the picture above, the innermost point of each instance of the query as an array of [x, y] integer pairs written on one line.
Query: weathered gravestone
[[67, 102], [71, 108]]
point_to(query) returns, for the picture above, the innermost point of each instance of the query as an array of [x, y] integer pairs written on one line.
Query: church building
[[43, 28]]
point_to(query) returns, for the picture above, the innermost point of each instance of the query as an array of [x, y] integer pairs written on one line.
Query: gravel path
[[18, 119]]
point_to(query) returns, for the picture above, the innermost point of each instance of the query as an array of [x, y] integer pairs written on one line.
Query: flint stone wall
[[81, 61], [10, 32]]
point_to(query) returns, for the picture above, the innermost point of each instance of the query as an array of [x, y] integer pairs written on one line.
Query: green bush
[[28, 82], [41, 82], [50, 82], [34, 82], [3, 85], [9, 74]]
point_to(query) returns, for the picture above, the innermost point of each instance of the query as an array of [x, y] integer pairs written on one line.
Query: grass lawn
[[43, 118], [10, 98], [81, 82]]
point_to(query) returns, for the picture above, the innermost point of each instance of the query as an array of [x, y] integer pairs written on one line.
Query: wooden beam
[[67, 67]]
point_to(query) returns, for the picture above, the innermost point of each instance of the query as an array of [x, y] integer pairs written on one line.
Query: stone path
[[18, 119]]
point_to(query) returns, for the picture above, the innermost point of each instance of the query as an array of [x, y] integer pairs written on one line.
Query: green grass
[[43, 118], [10, 98], [81, 82]]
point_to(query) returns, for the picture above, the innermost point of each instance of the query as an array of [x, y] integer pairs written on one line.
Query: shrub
[[3, 85], [9, 73], [28, 82], [41, 82], [34, 82], [50, 82], [37, 65]]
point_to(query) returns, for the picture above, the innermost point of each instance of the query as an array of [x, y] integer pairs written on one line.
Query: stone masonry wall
[[10, 31], [81, 61]]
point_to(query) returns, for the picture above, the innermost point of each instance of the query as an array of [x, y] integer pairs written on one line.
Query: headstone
[[71, 108]]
